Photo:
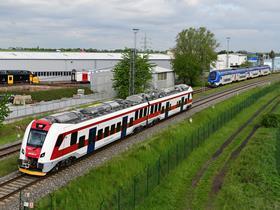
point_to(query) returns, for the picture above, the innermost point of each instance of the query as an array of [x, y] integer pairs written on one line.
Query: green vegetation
[[51, 94], [8, 165], [103, 181], [193, 54], [246, 64], [176, 192], [271, 120], [122, 79], [13, 131], [4, 109], [253, 181]]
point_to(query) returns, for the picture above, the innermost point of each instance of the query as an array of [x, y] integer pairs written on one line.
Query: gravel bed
[[61, 178]]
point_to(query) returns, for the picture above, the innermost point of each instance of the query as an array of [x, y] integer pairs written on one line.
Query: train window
[[59, 140], [118, 127], [152, 109], [74, 138], [112, 129], [131, 122], [45, 73], [136, 115], [162, 110], [159, 106], [106, 132], [141, 113], [100, 134], [82, 141], [145, 111]]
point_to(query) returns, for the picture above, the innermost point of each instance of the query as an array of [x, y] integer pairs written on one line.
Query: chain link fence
[[141, 185], [42, 107]]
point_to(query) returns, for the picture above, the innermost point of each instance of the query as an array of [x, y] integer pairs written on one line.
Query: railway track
[[14, 148], [11, 187], [9, 150]]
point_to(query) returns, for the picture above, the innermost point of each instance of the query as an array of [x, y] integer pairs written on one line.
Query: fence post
[[159, 170], [119, 199], [20, 199], [185, 148], [177, 155], [147, 181], [168, 155], [51, 201], [134, 192]]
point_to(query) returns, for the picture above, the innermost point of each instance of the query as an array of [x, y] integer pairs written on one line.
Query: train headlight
[[22, 151], [42, 155]]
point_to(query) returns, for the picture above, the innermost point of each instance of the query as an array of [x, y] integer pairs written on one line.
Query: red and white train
[[58, 139]]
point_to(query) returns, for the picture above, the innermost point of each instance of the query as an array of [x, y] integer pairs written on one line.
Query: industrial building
[[57, 66], [234, 60]]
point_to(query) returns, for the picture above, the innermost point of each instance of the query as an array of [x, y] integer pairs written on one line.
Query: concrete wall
[[159, 84]]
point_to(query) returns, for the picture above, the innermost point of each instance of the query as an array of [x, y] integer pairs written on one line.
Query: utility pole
[[135, 30], [227, 63]]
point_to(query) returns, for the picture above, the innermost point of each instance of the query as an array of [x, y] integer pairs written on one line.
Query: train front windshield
[[36, 138], [212, 75]]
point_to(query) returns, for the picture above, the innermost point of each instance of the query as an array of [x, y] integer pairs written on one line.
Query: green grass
[[13, 131], [51, 94], [176, 191], [8, 165], [253, 181], [103, 181]]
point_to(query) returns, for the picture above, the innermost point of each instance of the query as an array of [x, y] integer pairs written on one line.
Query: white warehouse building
[[58, 66], [234, 60]]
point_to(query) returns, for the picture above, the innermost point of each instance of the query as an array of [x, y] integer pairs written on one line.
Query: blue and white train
[[226, 76]]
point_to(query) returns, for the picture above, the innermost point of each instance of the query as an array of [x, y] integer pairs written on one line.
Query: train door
[[10, 79], [166, 109], [124, 126], [182, 104], [91, 140]]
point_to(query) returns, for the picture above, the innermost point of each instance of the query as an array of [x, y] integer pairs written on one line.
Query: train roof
[[15, 72], [72, 117], [242, 69]]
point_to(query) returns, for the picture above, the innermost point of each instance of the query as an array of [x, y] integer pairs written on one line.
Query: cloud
[[252, 25]]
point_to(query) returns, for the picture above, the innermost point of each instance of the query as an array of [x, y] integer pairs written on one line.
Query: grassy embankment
[[103, 181], [50, 94], [253, 181], [176, 192]]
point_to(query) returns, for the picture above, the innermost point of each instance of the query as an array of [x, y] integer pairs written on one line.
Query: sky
[[107, 24]]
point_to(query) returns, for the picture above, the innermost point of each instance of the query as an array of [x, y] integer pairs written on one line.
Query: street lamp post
[[135, 30], [227, 63]]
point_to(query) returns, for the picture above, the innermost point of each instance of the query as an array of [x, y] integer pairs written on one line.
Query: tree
[[4, 109], [121, 78], [246, 64], [194, 53]]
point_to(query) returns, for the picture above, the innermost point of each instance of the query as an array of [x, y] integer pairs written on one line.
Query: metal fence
[[48, 106], [140, 186]]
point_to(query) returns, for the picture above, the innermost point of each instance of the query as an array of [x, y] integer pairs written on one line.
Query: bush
[[271, 120]]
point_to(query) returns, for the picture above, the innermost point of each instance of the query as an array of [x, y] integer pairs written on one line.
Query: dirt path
[[218, 152]]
